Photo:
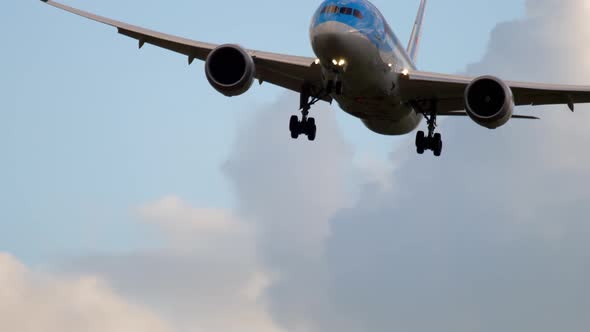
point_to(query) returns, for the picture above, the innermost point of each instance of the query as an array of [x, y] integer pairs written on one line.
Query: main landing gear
[[307, 126], [433, 141]]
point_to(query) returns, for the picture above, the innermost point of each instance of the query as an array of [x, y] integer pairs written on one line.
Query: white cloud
[[32, 302], [206, 278], [173, 213]]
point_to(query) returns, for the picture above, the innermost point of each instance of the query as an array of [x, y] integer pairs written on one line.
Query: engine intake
[[489, 102], [230, 70]]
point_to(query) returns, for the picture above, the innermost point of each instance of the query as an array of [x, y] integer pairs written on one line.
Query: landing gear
[[306, 126], [433, 141], [308, 97]]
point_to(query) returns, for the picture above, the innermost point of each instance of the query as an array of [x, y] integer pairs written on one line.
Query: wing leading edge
[[449, 91], [287, 71]]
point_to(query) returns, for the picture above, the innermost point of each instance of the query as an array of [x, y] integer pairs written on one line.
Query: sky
[[136, 197]]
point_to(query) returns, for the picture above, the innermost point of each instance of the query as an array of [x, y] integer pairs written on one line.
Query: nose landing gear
[[334, 86]]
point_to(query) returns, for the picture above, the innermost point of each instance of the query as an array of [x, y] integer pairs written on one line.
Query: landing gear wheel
[[420, 142], [294, 127], [306, 127], [437, 145], [310, 129]]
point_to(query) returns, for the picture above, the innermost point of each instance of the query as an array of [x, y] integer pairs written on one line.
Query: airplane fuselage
[[356, 46]]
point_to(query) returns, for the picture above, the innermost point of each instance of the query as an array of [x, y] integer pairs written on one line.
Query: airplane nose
[[334, 41], [330, 42]]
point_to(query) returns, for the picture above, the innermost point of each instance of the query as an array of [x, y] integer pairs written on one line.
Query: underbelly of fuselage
[[368, 76], [380, 116]]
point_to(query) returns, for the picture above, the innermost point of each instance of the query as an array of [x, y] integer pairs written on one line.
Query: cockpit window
[[330, 9], [342, 10], [357, 13], [346, 11]]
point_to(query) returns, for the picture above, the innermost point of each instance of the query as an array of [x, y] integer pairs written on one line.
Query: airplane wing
[[290, 72], [449, 91]]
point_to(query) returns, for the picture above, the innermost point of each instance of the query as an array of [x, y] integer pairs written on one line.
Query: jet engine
[[230, 70], [489, 102]]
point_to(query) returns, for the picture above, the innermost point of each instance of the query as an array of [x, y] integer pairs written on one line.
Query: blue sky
[[91, 128]]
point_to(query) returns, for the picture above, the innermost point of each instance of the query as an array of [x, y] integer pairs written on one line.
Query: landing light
[[339, 63], [405, 72]]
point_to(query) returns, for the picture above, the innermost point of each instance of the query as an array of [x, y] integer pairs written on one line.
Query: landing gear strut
[[433, 141], [334, 86]]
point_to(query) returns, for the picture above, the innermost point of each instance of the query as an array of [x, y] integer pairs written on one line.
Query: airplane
[[362, 65]]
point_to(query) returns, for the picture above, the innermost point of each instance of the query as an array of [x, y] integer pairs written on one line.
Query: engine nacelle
[[230, 70], [489, 102]]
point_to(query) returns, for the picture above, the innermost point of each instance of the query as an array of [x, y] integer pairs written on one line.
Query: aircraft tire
[[420, 142], [294, 127], [438, 145], [311, 129]]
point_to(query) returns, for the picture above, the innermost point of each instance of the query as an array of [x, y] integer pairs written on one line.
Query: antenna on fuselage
[[414, 43]]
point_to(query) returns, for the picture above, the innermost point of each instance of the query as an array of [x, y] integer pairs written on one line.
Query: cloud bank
[[31, 302]]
